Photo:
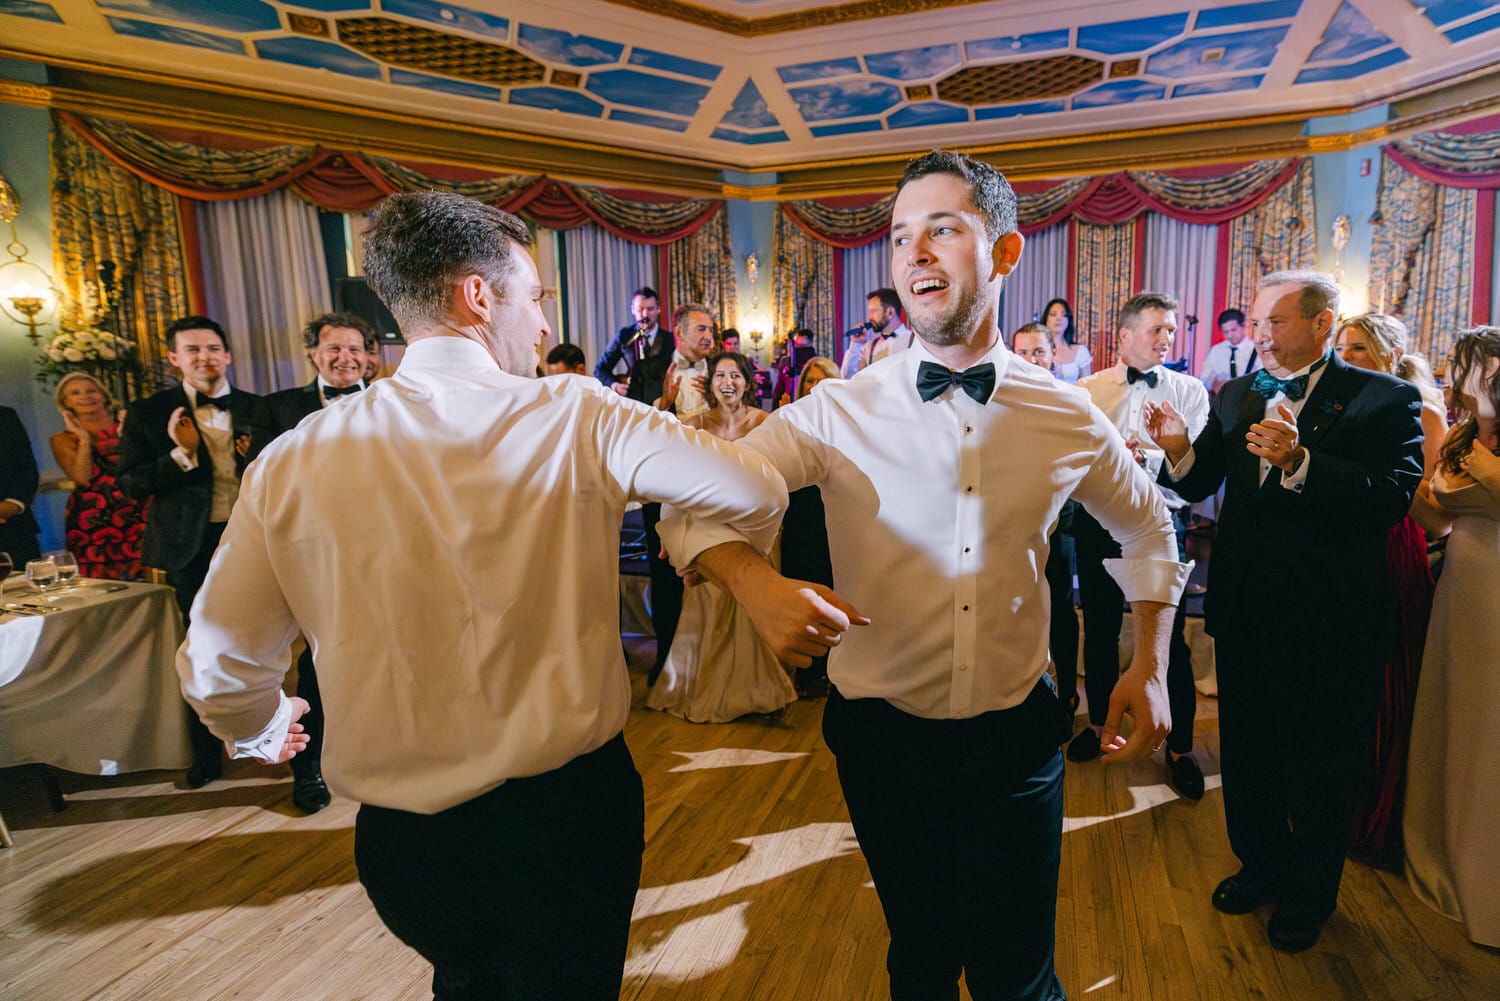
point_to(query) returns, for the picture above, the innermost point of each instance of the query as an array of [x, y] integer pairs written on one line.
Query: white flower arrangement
[[86, 345]]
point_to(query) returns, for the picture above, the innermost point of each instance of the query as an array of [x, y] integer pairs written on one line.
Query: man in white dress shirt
[[888, 334], [1230, 358], [948, 464], [1148, 327], [477, 714]]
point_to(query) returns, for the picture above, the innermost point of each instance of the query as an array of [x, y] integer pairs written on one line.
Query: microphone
[[863, 328]]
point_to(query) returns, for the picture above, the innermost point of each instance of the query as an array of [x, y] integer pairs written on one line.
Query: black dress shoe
[[309, 794], [1085, 746], [1187, 777], [1242, 893], [1293, 929], [204, 770]]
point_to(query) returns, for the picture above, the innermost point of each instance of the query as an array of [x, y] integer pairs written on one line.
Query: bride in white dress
[[719, 668]]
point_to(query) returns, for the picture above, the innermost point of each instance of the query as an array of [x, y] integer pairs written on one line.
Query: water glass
[[42, 573], [67, 568]]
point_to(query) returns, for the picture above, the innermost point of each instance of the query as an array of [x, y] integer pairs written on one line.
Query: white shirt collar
[[445, 352]]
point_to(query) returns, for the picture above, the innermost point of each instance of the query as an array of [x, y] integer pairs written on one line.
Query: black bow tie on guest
[[222, 402], [1135, 375], [978, 382], [331, 391]]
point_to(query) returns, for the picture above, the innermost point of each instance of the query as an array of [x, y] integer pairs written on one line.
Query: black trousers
[[805, 556], [185, 583], [666, 586], [961, 824], [1063, 633], [521, 894], [1103, 606], [309, 761], [1296, 723]]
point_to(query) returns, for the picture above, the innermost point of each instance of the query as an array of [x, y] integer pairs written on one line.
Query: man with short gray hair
[[1318, 461]]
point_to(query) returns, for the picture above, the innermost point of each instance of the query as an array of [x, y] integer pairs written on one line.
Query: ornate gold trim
[[798, 20]]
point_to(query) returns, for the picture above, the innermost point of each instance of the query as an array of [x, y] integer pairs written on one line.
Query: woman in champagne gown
[[1453, 784], [719, 668]]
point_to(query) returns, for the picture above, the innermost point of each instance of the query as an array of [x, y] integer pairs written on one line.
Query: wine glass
[[6, 567], [67, 569], [42, 573]]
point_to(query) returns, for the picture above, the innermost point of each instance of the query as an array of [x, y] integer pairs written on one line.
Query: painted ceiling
[[756, 83]]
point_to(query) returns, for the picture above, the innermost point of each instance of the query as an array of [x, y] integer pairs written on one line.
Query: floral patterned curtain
[[702, 269], [1279, 233], [104, 215], [1106, 278], [802, 284], [1420, 256]]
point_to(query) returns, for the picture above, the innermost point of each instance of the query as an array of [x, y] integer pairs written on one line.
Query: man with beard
[[634, 343], [948, 465]]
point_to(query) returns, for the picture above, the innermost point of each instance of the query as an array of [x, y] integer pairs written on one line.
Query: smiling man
[[949, 464], [1148, 328]]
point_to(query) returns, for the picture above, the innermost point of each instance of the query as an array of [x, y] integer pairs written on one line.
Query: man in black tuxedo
[[339, 346], [633, 343], [18, 479], [185, 449], [1318, 460]]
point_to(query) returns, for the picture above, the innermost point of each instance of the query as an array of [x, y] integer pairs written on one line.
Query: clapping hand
[[1276, 440], [1136, 451], [78, 431], [1483, 467], [1168, 428], [182, 431]]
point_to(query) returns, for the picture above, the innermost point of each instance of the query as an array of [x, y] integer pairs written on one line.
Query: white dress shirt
[[216, 428], [690, 400], [1122, 401], [943, 514], [878, 346], [1289, 481], [1216, 362], [448, 541]]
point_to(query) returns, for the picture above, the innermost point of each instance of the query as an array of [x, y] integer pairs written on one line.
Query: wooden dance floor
[[753, 889]]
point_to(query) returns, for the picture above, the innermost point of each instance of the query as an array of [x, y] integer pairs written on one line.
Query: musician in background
[[634, 342]]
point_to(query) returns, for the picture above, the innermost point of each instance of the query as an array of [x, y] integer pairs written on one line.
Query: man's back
[[478, 631]]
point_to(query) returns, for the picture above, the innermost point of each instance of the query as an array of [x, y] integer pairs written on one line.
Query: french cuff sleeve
[[686, 537], [266, 745], [1183, 466], [187, 463], [1296, 481], [1150, 580]]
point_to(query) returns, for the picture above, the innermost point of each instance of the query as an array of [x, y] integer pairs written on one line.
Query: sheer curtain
[[1041, 275], [1179, 260], [601, 270], [264, 277]]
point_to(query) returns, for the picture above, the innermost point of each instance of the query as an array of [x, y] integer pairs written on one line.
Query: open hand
[[296, 735], [1168, 428], [182, 431]]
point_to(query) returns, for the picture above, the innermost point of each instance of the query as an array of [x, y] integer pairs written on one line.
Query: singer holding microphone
[[634, 342], [883, 333]]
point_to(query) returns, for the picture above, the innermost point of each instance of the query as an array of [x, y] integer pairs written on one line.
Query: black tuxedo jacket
[[1316, 558], [649, 378], [285, 409], [616, 350], [180, 501], [18, 481]]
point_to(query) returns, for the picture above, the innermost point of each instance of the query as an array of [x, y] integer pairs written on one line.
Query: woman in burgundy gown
[[1378, 342], [103, 525]]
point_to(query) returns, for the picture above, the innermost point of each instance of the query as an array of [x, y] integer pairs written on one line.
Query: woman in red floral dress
[[102, 523]]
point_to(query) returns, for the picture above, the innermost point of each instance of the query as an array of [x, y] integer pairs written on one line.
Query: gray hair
[[1320, 292]]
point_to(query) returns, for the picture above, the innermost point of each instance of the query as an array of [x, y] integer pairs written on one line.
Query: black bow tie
[[978, 382], [222, 402], [329, 392], [1134, 375]]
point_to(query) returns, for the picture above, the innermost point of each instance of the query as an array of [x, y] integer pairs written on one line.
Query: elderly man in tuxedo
[[1318, 461], [339, 345], [185, 449]]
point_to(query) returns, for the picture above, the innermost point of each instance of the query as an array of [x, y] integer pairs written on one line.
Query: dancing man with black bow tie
[[949, 464], [1148, 327], [339, 345], [185, 448], [1318, 461]]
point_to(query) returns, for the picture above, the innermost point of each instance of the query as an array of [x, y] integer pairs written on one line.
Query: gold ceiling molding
[[111, 92], [797, 20]]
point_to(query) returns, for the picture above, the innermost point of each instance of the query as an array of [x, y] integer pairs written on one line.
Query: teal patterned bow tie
[[1267, 385]]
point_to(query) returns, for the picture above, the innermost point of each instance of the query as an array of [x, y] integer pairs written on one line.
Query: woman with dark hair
[[1071, 360], [1453, 788], [1379, 343], [719, 668]]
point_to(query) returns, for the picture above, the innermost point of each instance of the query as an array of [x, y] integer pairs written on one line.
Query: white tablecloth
[[91, 688]]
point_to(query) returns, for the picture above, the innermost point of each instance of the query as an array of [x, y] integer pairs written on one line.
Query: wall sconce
[[26, 293], [753, 321], [1341, 230]]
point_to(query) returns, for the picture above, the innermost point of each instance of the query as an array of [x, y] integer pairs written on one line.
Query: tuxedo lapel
[[1325, 404], [1239, 462]]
